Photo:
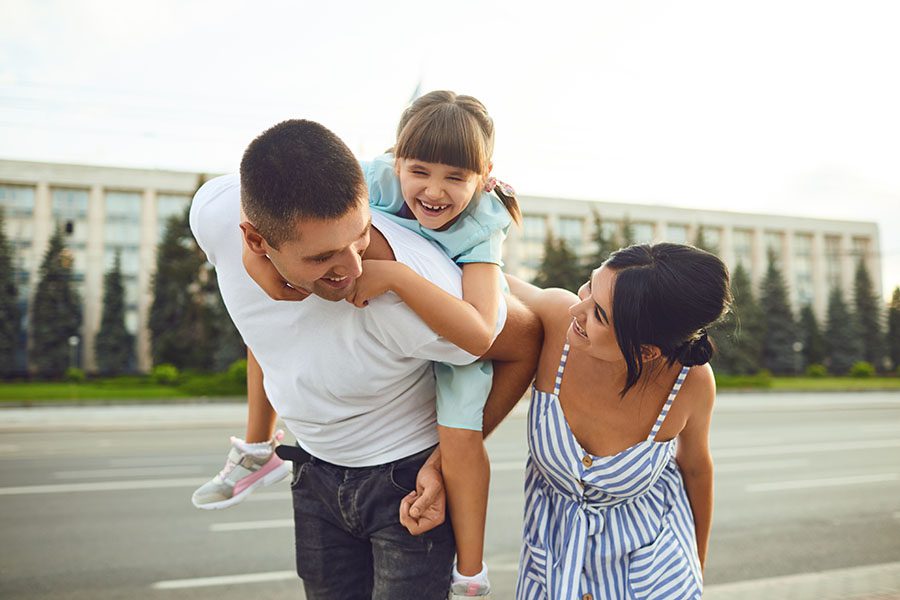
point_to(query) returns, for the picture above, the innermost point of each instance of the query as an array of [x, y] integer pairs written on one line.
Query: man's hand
[[425, 508], [378, 277], [267, 277]]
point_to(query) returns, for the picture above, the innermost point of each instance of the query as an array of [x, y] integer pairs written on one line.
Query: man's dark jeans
[[349, 540]]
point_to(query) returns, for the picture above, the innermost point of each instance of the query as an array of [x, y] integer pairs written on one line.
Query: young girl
[[619, 478], [437, 182]]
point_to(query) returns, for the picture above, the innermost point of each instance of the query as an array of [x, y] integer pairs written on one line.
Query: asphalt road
[[94, 503]]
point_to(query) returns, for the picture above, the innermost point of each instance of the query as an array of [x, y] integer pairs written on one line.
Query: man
[[355, 386]]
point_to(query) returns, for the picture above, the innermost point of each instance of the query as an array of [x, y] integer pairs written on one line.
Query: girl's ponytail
[[507, 196]]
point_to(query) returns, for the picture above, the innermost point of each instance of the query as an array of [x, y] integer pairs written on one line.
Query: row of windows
[[535, 229]]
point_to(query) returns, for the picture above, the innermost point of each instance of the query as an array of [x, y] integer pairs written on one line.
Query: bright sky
[[787, 107]]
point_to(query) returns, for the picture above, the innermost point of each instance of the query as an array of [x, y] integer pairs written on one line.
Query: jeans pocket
[[403, 476], [297, 475]]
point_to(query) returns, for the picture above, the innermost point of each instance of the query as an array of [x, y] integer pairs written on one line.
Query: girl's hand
[[267, 277], [378, 277]]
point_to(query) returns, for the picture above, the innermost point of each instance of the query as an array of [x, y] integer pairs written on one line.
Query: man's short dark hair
[[294, 170]]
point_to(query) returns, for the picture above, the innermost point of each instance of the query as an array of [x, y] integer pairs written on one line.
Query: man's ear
[[254, 241], [650, 353]]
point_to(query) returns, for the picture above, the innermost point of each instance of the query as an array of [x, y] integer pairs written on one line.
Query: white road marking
[[101, 486], [760, 465], [812, 448], [127, 472], [805, 484], [178, 584], [251, 525], [268, 496]]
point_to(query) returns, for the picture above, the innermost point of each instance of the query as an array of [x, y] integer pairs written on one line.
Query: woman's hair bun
[[696, 351]]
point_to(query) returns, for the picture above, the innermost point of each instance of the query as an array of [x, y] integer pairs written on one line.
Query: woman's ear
[[650, 352]]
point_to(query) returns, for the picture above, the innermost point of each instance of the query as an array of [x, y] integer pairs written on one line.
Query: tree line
[[189, 326], [761, 332]]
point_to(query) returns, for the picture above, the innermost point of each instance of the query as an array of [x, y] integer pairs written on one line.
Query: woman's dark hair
[[666, 295]]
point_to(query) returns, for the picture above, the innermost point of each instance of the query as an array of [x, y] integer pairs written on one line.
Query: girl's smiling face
[[592, 319], [436, 193]]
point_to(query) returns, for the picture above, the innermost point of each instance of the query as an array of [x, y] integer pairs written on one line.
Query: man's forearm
[[515, 354]]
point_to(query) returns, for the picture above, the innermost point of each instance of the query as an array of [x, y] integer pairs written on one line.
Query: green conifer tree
[[188, 323], [559, 267], [10, 318], [739, 336], [55, 312], [627, 236], [778, 355], [604, 244], [841, 335], [867, 305], [114, 346], [702, 241], [893, 335], [811, 337], [178, 321]]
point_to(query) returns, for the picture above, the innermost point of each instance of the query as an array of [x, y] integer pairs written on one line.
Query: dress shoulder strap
[[665, 409], [562, 367]]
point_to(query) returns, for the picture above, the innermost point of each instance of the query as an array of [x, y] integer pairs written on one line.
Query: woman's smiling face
[[592, 318]]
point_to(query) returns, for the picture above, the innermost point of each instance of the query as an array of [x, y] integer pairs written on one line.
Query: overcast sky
[[787, 107]]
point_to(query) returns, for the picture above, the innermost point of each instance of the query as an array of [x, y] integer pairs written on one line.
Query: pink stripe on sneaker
[[249, 480]]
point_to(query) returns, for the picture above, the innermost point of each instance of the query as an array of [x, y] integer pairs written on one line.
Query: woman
[[615, 507]]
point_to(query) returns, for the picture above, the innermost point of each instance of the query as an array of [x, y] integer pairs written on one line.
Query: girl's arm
[[468, 323], [694, 458]]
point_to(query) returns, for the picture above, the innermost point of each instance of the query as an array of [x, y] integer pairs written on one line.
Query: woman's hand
[[267, 277]]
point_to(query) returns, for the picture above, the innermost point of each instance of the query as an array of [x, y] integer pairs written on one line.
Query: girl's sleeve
[[488, 250], [489, 223], [383, 184]]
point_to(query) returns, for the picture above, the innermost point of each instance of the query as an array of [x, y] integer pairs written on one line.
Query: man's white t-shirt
[[355, 386]]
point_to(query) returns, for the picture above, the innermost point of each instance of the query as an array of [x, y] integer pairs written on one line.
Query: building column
[[147, 253], [758, 262], [93, 276], [848, 267], [787, 268], [726, 247], [660, 229], [819, 278]]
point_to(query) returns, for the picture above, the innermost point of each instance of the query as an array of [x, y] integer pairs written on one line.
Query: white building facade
[[109, 210]]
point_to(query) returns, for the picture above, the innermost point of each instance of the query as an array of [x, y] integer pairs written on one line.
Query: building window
[[168, 206], [571, 230], [17, 201], [534, 233], [677, 234], [712, 237], [743, 248], [803, 268], [775, 247], [70, 210], [642, 232], [122, 233]]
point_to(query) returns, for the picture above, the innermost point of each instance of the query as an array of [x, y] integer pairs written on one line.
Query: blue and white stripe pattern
[[614, 527]]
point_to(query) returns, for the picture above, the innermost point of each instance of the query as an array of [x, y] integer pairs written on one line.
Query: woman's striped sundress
[[604, 527]]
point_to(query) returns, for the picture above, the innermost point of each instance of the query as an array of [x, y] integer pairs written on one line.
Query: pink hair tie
[[493, 182]]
